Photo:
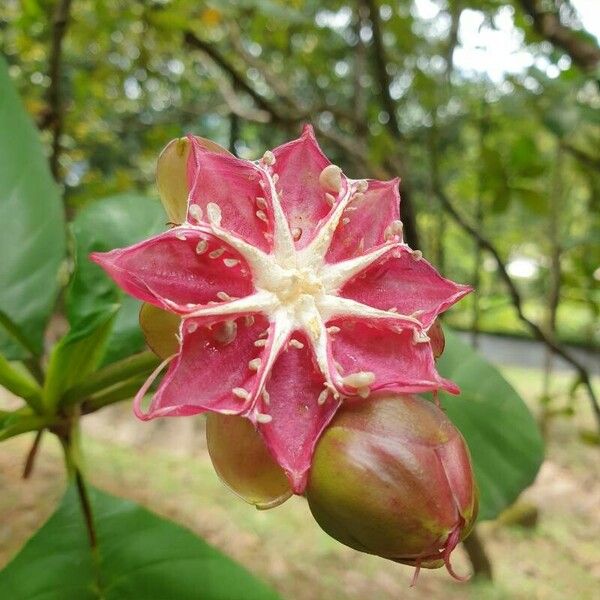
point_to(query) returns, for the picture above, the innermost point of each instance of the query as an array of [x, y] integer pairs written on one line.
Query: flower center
[[295, 284]]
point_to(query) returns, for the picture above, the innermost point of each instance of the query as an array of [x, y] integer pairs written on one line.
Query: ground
[[164, 465]]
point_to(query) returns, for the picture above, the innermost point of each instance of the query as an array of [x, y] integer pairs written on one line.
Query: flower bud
[[393, 477]]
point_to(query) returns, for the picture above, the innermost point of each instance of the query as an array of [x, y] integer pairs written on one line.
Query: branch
[[351, 146], [584, 52], [583, 157], [55, 116], [515, 295], [393, 126], [237, 78]]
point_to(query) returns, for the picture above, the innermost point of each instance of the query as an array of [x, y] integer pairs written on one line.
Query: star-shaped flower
[[295, 291]]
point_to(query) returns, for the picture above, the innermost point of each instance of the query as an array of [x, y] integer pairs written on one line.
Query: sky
[[499, 51]]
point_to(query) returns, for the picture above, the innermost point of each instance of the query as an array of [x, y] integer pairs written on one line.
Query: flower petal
[[365, 221], [298, 165], [233, 185], [397, 361], [297, 417], [178, 268], [402, 280], [243, 463], [211, 372]]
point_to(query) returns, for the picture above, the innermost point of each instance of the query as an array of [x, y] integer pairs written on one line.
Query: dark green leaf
[[506, 446], [32, 244], [140, 556], [104, 225]]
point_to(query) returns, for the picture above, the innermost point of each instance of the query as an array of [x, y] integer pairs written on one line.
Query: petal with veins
[[297, 417], [298, 165], [169, 272], [411, 286], [234, 185], [212, 363], [397, 362], [368, 218]]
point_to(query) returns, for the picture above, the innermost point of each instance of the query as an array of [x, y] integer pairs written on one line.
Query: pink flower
[[295, 292]]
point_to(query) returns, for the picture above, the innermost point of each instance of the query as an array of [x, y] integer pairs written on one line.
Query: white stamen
[[261, 202], [362, 185], [196, 212], [201, 247], [364, 392], [266, 396], [330, 179], [216, 253], [296, 233], [394, 309], [254, 364], [262, 215], [359, 379], [264, 334], [226, 332], [345, 221], [224, 296], [330, 199], [231, 262], [260, 343], [263, 418], [333, 329], [296, 344], [239, 392], [275, 178], [249, 320], [417, 254], [420, 337], [191, 327], [180, 236], [213, 212], [268, 158], [322, 397]]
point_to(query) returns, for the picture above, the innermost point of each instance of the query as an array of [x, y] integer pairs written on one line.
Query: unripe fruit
[[393, 477]]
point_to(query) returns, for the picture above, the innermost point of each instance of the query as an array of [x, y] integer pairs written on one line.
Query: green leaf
[[32, 243], [505, 443], [111, 223], [140, 556], [77, 355], [20, 421], [20, 383]]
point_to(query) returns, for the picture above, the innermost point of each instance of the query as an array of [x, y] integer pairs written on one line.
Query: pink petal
[[298, 165], [398, 363], [212, 362], [234, 185], [366, 225], [297, 418], [409, 284], [169, 272]]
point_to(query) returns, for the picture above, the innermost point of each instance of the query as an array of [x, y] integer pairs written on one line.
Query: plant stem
[[137, 365], [72, 451], [86, 507], [32, 454]]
